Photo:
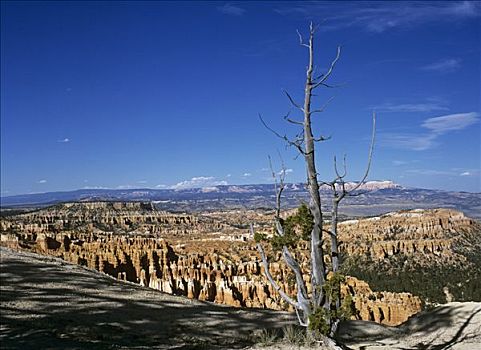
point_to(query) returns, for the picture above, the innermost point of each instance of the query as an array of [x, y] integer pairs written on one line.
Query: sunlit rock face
[[382, 307], [208, 277], [117, 217], [200, 259], [429, 233]]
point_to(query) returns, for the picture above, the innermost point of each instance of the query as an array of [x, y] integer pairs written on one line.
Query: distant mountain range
[[374, 198]]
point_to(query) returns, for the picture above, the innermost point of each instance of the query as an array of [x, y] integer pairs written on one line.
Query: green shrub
[[259, 237], [295, 228], [347, 309], [300, 224], [288, 240], [319, 321]]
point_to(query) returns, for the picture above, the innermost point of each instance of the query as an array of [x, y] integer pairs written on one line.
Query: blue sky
[[159, 94]]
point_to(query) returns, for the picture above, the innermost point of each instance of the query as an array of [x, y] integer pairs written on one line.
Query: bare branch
[[319, 76], [299, 318], [297, 156], [369, 157], [294, 265], [339, 180], [331, 68], [321, 138], [282, 174], [294, 103], [301, 41], [277, 189], [336, 169], [330, 86], [300, 36], [357, 194], [302, 295], [329, 232], [286, 117], [324, 183], [324, 106], [296, 143], [274, 284], [300, 135]]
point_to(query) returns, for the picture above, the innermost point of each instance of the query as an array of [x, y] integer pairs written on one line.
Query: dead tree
[[321, 301]]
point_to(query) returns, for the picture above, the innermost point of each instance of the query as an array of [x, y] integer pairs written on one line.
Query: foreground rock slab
[[455, 326], [49, 304], [450, 326], [46, 303]]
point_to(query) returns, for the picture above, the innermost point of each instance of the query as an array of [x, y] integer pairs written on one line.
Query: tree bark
[[317, 256]]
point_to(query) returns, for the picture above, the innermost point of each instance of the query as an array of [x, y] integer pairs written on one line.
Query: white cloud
[[404, 162], [199, 181], [381, 16], [411, 107], [142, 182], [233, 10], [430, 172], [285, 171], [435, 172], [466, 8], [451, 122], [161, 186], [436, 127], [228, 175], [42, 181], [246, 174], [408, 141], [444, 66], [65, 140]]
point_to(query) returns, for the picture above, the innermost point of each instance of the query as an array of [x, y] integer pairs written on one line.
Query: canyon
[[212, 256]]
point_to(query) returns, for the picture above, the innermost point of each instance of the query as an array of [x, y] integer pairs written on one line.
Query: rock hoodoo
[[190, 255]]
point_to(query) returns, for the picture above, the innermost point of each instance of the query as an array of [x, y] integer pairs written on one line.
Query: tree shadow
[[458, 337], [435, 325], [48, 304]]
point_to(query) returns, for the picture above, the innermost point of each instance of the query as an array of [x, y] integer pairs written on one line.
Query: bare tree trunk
[[336, 259], [318, 270], [305, 142]]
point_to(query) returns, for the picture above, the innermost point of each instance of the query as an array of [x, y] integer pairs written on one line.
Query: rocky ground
[[49, 304], [449, 326]]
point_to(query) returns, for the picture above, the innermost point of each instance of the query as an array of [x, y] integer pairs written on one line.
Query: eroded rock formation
[[118, 217], [430, 233], [382, 307], [221, 269], [210, 277]]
